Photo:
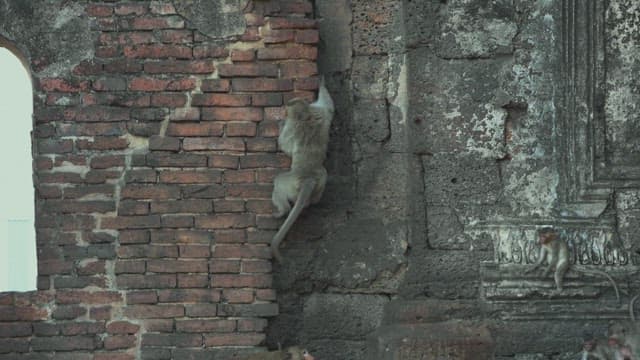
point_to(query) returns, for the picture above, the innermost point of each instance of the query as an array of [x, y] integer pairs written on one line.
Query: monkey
[[557, 251], [290, 353], [304, 137], [627, 333], [599, 349]]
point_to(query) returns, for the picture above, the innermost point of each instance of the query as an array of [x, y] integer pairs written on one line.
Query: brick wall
[[153, 163]]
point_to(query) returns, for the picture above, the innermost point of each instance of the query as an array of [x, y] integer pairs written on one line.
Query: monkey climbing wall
[[154, 137]]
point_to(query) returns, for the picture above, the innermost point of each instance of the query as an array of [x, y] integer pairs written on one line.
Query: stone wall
[[154, 141], [462, 128]]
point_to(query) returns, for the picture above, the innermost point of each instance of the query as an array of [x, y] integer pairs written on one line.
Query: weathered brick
[[227, 236], [262, 145], [123, 66], [79, 296], [103, 143], [208, 143], [251, 325], [225, 221], [245, 339], [203, 191], [66, 343], [164, 143], [190, 281], [261, 84], [62, 85], [115, 342], [160, 8], [267, 99], [176, 160], [185, 114], [221, 100], [181, 206], [215, 85], [97, 113], [134, 281], [222, 266], [189, 296], [153, 23], [153, 311], [241, 129], [179, 66], [147, 251], [51, 146], [298, 69], [246, 191], [131, 222], [205, 128], [205, 326], [91, 267], [177, 340], [134, 237], [194, 251], [191, 177], [99, 10], [228, 206], [278, 36], [68, 312], [224, 161], [248, 70], [307, 36], [149, 192], [292, 23], [201, 310], [168, 100], [142, 297], [15, 329], [252, 161], [130, 267], [127, 207], [256, 266], [288, 53], [242, 251], [243, 55], [177, 266], [232, 113], [238, 296], [209, 51]]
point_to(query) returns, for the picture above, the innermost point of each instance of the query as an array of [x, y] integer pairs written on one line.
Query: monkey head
[[298, 109], [546, 235], [306, 355]]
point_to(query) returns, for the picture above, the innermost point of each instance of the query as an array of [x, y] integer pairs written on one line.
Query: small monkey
[[598, 349], [290, 353], [557, 251], [627, 333], [304, 137]]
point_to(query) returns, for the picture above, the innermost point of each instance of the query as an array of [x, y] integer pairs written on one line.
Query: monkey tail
[[602, 273], [632, 314], [306, 188]]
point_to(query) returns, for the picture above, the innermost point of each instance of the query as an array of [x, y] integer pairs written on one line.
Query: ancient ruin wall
[[154, 142]]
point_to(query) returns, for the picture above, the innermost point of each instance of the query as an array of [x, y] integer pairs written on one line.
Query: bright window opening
[[18, 264]]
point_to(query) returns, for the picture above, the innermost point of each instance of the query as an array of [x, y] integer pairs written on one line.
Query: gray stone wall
[[462, 127]]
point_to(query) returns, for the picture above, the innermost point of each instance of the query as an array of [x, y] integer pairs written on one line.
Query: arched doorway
[[18, 263]]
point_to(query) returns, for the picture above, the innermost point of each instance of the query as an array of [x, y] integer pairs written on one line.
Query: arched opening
[[18, 262]]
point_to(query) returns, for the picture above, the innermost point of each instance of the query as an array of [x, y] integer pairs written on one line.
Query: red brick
[[148, 84], [131, 222], [257, 266], [177, 266], [159, 325], [181, 206], [225, 221], [243, 55], [252, 325], [251, 33], [239, 176], [122, 327], [62, 85], [194, 251], [242, 251], [253, 191], [307, 36], [221, 100], [173, 340], [208, 51], [177, 221], [202, 310], [232, 113], [130, 9], [288, 53], [116, 342], [127, 207], [130, 267], [298, 69], [176, 160], [97, 113], [134, 237], [103, 143], [99, 10], [149, 192], [153, 311], [168, 100], [189, 296], [51, 146], [248, 70], [215, 85], [145, 282], [228, 206], [179, 66], [185, 114], [224, 161], [245, 339], [274, 113], [206, 128], [176, 36], [106, 52], [242, 281], [219, 266], [157, 51], [261, 145], [189, 281], [124, 66], [292, 23], [254, 19], [63, 343], [81, 191], [266, 99], [153, 23], [227, 236], [252, 161], [159, 8], [91, 267], [12, 313], [191, 177], [278, 36], [203, 191], [205, 326], [238, 296], [147, 251], [196, 144], [261, 84], [142, 297]]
